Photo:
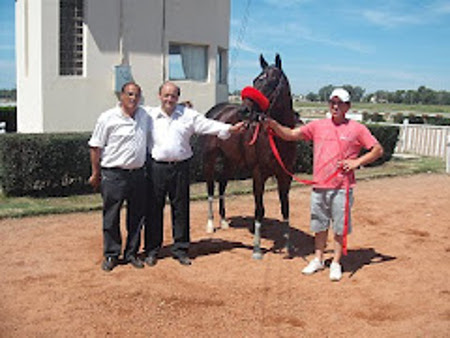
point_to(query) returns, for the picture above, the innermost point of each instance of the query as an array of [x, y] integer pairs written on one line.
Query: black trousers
[[172, 180], [118, 186]]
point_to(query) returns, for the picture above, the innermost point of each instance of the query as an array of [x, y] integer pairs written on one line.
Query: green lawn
[[306, 108], [28, 206]]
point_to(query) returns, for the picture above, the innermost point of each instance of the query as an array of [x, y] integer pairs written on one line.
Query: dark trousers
[[118, 186], [172, 180]]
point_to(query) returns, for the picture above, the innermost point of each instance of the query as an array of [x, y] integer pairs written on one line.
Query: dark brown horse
[[237, 153]]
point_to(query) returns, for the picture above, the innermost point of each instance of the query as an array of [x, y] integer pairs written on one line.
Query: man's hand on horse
[[269, 123], [238, 127]]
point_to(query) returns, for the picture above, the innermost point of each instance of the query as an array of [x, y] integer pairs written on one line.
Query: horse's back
[[225, 112]]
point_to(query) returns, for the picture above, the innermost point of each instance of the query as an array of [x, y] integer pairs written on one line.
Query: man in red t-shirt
[[337, 143]]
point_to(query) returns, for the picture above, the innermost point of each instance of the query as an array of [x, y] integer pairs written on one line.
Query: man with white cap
[[337, 144]]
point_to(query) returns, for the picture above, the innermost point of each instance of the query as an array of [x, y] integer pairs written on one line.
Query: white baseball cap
[[341, 93]]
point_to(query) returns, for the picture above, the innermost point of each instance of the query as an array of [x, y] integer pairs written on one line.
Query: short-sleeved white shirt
[[123, 139], [170, 135]]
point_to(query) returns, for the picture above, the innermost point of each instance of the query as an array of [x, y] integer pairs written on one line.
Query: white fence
[[424, 140]]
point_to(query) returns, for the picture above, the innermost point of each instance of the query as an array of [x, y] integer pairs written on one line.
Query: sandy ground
[[396, 279]]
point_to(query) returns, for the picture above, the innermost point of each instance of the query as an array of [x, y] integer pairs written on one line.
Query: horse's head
[[273, 83]]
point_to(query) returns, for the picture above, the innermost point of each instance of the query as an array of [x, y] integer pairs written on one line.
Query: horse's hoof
[[257, 255], [210, 227], [288, 256], [224, 224]]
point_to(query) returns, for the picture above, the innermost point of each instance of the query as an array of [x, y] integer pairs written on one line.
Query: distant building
[[74, 55]]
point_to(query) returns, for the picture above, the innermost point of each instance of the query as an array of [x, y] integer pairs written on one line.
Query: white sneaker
[[335, 271], [313, 266]]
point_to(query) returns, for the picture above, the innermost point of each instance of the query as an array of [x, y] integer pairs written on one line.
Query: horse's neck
[[284, 111]]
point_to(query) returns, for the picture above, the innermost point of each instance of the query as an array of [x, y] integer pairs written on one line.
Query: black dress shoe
[[184, 260], [151, 260], [109, 263], [136, 262]]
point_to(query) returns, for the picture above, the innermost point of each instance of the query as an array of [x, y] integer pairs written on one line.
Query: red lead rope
[[275, 152], [255, 135]]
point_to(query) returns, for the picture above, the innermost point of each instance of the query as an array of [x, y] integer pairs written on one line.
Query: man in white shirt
[[172, 127], [118, 149]]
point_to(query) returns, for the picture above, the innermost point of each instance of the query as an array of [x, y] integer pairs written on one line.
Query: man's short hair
[[130, 83], [178, 88]]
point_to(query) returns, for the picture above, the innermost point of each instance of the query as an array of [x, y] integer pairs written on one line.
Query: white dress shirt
[[170, 135], [122, 139]]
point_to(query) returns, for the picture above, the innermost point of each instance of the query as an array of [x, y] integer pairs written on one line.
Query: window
[[221, 66], [188, 62], [71, 37]]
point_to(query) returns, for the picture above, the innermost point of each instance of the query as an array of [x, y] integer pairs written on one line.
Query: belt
[[170, 162], [125, 170]]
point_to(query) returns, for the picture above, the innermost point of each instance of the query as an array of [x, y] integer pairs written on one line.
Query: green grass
[[29, 206], [311, 108]]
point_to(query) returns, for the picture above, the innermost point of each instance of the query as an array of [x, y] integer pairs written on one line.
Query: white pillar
[[448, 155]]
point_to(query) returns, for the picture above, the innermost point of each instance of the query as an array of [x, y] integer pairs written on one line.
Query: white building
[[74, 55]]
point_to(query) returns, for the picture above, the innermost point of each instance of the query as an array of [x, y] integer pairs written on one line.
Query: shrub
[[414, 119], [59, 164], [398, 118], [388, 137], [377, 117], [44, 164]]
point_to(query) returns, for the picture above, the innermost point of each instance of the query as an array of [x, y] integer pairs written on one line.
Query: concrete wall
[[29, 65], [48, 102]]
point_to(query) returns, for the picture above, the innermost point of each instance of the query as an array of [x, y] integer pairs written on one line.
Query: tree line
[[422, 95], [8, 94]]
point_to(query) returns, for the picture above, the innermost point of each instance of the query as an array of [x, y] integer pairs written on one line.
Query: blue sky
[[7, 53], [383, 44]]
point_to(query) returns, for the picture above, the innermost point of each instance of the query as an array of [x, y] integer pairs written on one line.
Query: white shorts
[[328, 207]]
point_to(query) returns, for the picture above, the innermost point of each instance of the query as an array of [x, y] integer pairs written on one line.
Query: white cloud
[[239, 45], [291, 33], [387, 74], [405, 14], [285, 3], [388, 20]]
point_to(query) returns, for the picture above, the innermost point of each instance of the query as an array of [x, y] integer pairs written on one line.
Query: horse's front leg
[[284, 184], [258, 190]]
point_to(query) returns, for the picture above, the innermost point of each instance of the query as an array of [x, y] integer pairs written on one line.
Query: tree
[[313, 97], [356, 93], [325, 92], [426, 95]]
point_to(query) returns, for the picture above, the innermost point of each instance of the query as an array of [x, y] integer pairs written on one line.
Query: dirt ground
[[395, 282]]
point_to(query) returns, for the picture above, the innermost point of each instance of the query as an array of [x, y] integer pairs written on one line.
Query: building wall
[[48, 102], [28, 64]]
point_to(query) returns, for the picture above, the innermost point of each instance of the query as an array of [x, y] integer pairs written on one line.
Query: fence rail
[[424, 140]]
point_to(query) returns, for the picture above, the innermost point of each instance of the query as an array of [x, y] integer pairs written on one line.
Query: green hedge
[[387, 136], [59, 164], [44, 164]]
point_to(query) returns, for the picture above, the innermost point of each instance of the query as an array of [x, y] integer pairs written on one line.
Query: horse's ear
[[278, 61], [262, 61]]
